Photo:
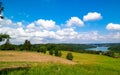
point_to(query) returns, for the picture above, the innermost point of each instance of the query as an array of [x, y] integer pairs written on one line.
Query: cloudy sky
[[61, 21]]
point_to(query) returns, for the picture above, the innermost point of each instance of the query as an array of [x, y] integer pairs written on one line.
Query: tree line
[[39, 47], [55, 49]]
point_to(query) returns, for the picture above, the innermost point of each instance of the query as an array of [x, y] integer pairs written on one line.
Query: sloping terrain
[[17, 56], [29, 63]]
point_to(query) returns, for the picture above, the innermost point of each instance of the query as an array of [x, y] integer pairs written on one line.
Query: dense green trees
[[55, 49], [115, 48]]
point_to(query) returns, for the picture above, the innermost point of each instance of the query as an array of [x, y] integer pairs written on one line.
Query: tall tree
[[27, 45]]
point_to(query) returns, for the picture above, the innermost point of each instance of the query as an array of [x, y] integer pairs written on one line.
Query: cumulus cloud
[[10, 23], [37, 33], [19, 24], [31, 25], [92, 16], [112, 26], [75, 21], [66, 33], [47, 24]]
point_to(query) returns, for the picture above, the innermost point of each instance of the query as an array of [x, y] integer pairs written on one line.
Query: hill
[[44, 64], [19, 56]]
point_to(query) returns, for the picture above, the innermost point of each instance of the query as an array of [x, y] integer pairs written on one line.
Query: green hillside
[[87, 64]]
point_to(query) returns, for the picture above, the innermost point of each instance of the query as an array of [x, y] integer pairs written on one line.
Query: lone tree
[[27, 45], [69, 56]]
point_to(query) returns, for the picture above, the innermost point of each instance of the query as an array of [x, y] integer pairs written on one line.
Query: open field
[[17, 56], [44, 64], [84, 58]]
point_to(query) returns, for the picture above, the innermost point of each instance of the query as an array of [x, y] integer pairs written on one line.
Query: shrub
[[111, 54], [51, 52], [43, 49], [59, 54], [69, 56], [56, 53]]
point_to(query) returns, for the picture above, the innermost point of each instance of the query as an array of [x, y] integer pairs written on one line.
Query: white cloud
[[112, 26], [8, 22], [92, 16], [75, 21], [5, 22], [47, 24], [32, 25], [66, 33], [37, 33], [111, 37], [19, 24]]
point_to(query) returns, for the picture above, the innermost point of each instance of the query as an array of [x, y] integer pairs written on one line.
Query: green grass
[[88, 64], [58, 69], [84, 58]]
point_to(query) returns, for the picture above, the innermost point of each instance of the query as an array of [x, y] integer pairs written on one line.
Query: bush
[[59, 54], [43, 49], [111, 54], [56, 53], [69, 56], [51, 52]]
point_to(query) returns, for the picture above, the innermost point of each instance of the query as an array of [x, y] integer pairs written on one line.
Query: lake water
[[99, 48]]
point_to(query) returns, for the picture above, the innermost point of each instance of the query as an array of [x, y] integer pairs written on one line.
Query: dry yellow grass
[[17, 56]]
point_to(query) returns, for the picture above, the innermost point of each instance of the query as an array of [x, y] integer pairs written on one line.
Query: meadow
[[38, 64]]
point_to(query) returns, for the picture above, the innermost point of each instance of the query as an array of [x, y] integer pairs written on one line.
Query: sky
[[61, 21]]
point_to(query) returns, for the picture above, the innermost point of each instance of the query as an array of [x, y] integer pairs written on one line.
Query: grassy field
[[44, 64]]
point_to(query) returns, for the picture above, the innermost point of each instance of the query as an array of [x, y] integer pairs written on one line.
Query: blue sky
[[62, 21]]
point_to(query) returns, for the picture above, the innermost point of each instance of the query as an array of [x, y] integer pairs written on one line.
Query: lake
[[99, 48]]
